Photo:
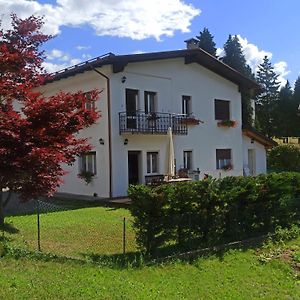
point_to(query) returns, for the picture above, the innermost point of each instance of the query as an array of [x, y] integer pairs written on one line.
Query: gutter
[[109, 129]]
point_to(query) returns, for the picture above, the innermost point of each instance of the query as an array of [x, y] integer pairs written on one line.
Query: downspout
[[109, 129]]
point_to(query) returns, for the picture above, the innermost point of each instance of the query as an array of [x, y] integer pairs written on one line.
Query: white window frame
[[223, 162], [188, 159], [149, 167], [88, 163], [150, 102], [89, 105], [186, 105]]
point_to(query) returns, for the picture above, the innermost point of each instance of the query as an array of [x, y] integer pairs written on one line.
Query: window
[[150, 102], [152, 162], [285, 140], [87, 163], [89, 105], [222, 110], [187, 160], [223, 157], [186, 105]]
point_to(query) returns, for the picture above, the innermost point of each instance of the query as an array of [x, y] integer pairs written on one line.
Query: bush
[[284, 158], [210, 212]]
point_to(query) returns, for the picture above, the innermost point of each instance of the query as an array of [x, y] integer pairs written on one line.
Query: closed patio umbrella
[[171, 155]]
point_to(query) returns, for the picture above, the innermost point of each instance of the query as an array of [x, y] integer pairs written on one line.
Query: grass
[[235, 274], [74, 233]]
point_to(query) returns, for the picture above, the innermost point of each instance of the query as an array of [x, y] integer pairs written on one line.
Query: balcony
[[138, 122]]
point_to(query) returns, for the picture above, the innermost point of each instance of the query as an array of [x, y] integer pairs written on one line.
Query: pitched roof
[[198, 55], [258, 136]]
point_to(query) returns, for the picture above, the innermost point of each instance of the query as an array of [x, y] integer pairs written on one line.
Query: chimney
[[192, 43]]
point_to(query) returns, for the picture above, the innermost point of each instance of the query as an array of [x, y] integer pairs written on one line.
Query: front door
[[131, 107], [251, 162], [133, 167]]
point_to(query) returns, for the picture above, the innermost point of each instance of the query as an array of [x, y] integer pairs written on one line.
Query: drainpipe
[[109, 129]]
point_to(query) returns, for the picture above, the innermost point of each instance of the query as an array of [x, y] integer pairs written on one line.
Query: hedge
[[213, 211]]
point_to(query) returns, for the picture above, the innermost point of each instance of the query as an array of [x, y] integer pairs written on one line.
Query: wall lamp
[[123, 79], [101, 141], [125, 142]]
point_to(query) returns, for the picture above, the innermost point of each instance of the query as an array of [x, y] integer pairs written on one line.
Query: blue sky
[[85, 28]]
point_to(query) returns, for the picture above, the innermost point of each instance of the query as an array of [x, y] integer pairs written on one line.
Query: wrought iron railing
[[152, 123]]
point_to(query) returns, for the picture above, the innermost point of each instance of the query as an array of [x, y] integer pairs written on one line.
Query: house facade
[[142, 96]]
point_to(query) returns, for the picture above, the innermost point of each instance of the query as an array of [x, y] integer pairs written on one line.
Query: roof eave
[[258, 137]]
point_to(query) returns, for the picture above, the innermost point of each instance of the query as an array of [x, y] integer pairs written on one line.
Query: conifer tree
[[206, 42], [296, 103], [267, 100], [285, 112], [296, 94], [235, 58]]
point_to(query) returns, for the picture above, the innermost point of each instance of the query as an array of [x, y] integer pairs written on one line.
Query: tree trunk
[[1, 210]]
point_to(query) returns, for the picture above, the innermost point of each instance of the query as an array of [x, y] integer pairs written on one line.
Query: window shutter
[[222, 111], [223, 153]]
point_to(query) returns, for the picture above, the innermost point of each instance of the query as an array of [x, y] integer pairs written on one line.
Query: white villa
[[145, 94]]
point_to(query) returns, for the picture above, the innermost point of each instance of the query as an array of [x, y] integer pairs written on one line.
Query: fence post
[[38, 225], [124, 236]]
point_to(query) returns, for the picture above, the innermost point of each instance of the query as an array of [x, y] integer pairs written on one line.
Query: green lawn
[[235, 275], [76, 232], [238, 275]]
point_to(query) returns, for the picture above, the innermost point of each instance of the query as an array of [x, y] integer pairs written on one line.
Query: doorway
[[252, 162], [134, 167]]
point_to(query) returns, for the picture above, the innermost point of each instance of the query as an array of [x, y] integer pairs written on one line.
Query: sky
[[84, 29]]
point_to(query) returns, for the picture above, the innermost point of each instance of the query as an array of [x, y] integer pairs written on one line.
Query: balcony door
[[131, 107]]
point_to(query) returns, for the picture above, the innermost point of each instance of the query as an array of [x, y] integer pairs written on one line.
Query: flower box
[[227, 167], [190, 121], [86, 176], [227, 123]]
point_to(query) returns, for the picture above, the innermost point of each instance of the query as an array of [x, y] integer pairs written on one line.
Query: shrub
[[284, 158], [210, 212]]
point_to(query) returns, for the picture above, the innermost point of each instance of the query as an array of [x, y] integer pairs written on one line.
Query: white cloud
[[281, 69], [136, 19], [79, 47], [57, 60], [253, 55], [51, 67], [220, 52], [138, 52], [54, 53]]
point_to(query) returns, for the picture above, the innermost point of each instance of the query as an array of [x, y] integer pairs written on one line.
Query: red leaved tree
[[37, 133]]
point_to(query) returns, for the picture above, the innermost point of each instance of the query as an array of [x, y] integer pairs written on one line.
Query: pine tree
[[206, 42], [296, 103], [296, 95], [235, 58], [285, 112], [267, 100]]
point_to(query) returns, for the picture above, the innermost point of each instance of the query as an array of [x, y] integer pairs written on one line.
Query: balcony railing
[[152, 123]]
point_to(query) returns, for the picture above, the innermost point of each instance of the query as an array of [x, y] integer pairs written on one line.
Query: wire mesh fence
[[91, 232], [72, 231]]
